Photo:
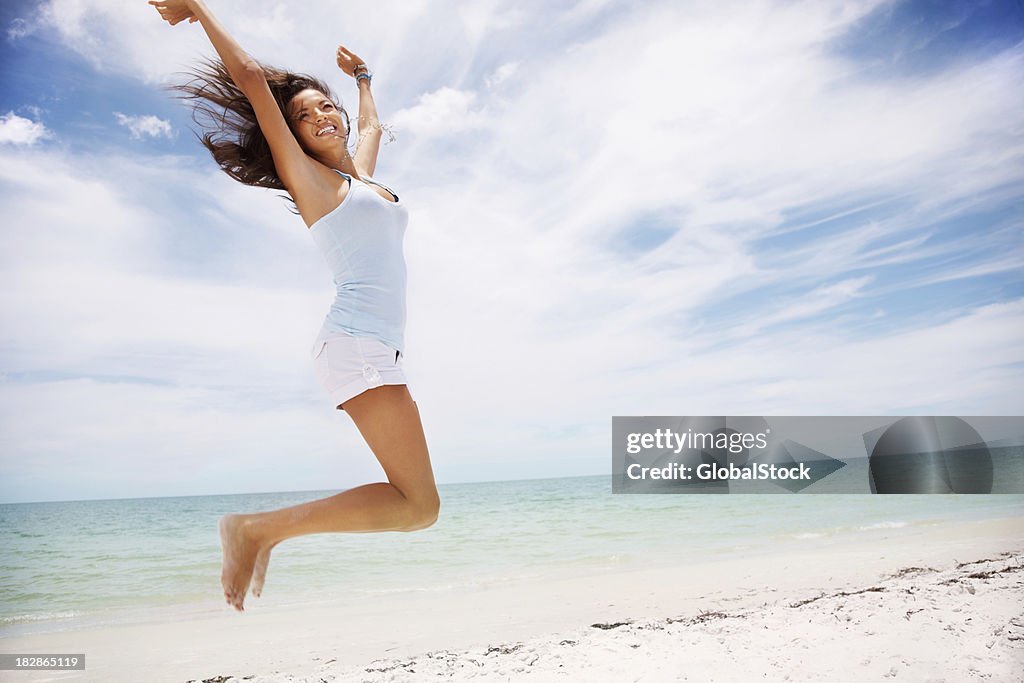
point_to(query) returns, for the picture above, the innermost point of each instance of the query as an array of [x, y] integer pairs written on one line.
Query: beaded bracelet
[[368, 77]]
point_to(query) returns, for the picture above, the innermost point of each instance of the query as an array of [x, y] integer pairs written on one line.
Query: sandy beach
[[938, 603]]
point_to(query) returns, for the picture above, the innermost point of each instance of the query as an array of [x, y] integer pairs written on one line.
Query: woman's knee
[[423, 511]]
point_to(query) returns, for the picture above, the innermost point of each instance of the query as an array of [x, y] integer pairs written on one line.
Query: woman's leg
[[389, 420]]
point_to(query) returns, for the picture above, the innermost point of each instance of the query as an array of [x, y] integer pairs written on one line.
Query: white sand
[[834, 611]]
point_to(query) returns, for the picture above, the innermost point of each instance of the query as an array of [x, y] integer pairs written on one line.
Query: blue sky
[[616, 208]]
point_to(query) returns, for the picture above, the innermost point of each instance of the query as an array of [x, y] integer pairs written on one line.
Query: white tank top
[[361, 240]]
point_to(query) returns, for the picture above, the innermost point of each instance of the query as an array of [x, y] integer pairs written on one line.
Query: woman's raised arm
[[238, 62], [365, 158], [293, 166]]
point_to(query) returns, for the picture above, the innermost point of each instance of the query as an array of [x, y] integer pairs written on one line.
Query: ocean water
[[72, 564]]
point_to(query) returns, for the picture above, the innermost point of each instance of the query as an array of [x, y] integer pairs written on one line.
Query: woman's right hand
[[173, 11], [348, 61]]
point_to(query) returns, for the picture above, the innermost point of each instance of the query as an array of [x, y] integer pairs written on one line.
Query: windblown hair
[[234, 137]]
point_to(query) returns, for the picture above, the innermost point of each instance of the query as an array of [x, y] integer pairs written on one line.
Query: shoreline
[[785, 543], [333, 638]]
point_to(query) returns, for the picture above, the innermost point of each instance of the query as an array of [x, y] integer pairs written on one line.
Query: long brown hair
[[234, 137]]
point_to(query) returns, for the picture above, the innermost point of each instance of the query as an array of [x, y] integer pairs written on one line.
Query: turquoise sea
[[73, 564]]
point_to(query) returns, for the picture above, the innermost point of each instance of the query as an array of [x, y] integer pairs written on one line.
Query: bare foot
[[259, 572], [240, 551]]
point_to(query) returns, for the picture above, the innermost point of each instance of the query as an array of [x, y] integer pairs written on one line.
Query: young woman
[[285, 130]]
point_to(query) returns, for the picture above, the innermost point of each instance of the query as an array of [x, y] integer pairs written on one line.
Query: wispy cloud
[[502, 74], [19, 28], [146, 125]]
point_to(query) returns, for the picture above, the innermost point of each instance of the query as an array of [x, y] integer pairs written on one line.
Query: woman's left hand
[[347, 61]]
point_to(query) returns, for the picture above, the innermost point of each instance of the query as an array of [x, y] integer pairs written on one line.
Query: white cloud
[[443, 112], [502, 74], [274, 24], [133, 351], [16, 130], [149, 125]]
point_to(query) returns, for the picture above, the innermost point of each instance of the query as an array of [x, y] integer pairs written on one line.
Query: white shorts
[[348, 365]]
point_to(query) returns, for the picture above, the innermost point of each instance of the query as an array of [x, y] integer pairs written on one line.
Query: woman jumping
[[288, 132]]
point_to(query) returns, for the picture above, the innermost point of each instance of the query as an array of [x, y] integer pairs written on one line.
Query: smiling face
[[318, 125]]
